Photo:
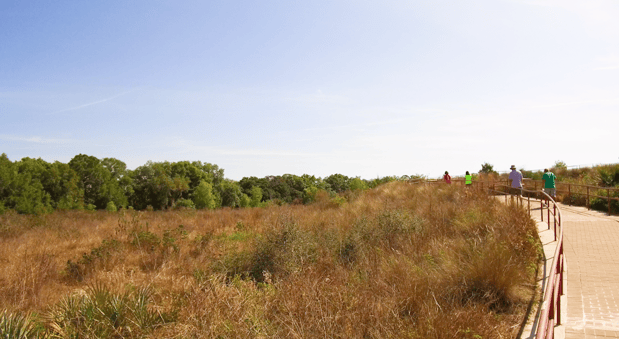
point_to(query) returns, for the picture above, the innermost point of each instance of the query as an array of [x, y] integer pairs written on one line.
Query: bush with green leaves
[[256, 196], [282, 250], [245, 201], [111, 207], [185, 203], [203, 196], [78, 270], [601, 204]]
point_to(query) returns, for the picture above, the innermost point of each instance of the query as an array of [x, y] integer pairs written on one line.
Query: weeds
[[397, 261]]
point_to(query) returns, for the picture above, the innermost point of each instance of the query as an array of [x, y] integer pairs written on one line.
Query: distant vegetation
[[35, 186], [603, 175], [396, 261]]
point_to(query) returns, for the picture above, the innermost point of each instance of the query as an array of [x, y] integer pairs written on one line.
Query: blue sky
[[362, 88]]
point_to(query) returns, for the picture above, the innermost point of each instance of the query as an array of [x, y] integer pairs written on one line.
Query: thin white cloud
[[36, 139], [610, 62], [185, 146], [606, 68], [94, 102], [263, 153], [570, 103]]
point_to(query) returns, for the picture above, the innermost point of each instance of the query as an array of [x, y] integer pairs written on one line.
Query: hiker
[[516, 177], [447, 178], [468, 179], [548, 181]]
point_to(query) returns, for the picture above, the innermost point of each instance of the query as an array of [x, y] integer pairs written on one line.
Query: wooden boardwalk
[[591, 248]]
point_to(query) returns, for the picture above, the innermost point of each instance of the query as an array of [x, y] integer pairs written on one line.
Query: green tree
[[203, 196], [230, 193], [358, 184], [338, 182], [154, 184], [309, 195], [101, 180], [487, 168], [92, 176], [256, 196], [20, 185], [560, 165], [244, 201]]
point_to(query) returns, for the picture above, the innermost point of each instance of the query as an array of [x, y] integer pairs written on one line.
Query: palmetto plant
[[101, 313], [16, 326]]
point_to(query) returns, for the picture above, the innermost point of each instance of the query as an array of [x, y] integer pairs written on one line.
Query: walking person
[[468, 180], [447, 177], [516, 177], [548, 181]]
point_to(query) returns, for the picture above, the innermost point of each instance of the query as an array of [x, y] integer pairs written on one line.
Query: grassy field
[[397, 261]]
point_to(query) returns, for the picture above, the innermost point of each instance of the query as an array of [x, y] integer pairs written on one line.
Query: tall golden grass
[[398, 261]]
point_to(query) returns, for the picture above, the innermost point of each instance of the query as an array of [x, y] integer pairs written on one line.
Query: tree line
[[34, 186]]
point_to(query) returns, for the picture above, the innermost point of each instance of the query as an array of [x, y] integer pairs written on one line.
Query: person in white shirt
[[516, 177]]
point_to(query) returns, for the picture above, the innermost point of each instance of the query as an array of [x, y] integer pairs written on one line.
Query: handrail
[[586, 191], [587, 195]]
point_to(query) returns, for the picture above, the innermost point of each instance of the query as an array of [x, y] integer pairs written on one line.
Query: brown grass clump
[[398, 261]]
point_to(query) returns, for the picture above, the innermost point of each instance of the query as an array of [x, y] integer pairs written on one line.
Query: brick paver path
[[591, 248]]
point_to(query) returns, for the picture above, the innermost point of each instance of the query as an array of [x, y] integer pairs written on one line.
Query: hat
[[513, 167]]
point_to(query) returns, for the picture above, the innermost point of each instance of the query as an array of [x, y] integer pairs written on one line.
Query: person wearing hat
[[516, 177]]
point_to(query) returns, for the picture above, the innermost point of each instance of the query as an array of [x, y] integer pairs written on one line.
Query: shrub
[[245, 201], [146, 240], [185, 203], [282, 250], [601, 204], [309, 194], [203, 196], [111, 207], [256, 196], [79, 269]]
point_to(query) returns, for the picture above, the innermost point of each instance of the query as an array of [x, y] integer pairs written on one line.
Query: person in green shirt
[[468, 179], [548, 181]]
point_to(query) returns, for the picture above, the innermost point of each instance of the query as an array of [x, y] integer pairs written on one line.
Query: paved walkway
[[591, 249]]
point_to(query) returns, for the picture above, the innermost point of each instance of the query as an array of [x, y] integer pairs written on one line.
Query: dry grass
[[398, 261]]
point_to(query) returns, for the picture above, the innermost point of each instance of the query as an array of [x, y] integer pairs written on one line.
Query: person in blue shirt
[[516, 177]]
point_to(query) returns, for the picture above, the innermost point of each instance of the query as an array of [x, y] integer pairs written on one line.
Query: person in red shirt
[[447, 178]]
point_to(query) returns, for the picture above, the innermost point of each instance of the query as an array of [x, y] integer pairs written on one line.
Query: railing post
[[554, 217], [588, 204], [569, 193], [608, 195], [548, 220]]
